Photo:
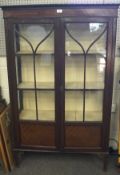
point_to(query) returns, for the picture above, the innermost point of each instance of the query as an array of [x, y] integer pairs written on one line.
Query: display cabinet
[[60, 66]]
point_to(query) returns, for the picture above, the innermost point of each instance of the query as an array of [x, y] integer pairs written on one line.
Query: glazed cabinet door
[[34, 45], [85, 65]]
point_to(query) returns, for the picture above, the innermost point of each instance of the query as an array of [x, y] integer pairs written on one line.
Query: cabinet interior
[[84, 71]]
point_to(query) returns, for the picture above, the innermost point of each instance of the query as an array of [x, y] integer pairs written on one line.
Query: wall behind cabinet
[[116, 91]]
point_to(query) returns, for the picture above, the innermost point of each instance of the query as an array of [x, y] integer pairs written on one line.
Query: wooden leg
[[18, 156], [104, 158], [105, 162]]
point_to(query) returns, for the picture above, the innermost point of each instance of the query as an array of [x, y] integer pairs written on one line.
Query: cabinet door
[[35, 64], [85, 63]]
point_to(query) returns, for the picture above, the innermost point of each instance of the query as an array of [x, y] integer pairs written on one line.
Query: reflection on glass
[[73, 106], [46, 105], [95, 26], [27, 107]]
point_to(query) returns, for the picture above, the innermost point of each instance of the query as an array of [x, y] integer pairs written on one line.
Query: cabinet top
[[62, 5], [50, 10]]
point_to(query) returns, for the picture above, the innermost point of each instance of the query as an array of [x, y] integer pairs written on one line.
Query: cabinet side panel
[[111, 41], [9, 35]]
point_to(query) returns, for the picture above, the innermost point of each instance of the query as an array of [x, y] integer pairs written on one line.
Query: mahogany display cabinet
[[60, 67]]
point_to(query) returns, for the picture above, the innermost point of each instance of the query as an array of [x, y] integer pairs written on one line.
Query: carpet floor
[[67, 164]]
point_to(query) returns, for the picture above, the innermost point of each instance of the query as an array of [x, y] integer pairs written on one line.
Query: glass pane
[[34, 48], [85, 63], [74, 72], [74, 76], [74, 62], [85, 34], [45, 71], [25, 72], [93, 105], [46, 105], [35, 33], [73, 106], [96, 63], [95, 73], [27, 107], [35, 55]]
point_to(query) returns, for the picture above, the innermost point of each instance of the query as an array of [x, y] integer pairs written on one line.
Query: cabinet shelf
[[78, 116], [70, 116], [48, 52], [40, 86], [88, 86], [30, 53], [70, 86], [77, 52], [44, 115], [86, 89]]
